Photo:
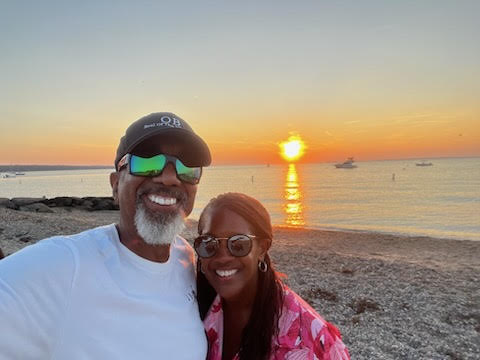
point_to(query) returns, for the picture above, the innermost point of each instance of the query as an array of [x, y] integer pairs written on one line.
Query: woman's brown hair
[[262, 326]]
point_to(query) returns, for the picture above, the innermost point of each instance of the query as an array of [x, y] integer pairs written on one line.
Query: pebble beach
[[392, 297]]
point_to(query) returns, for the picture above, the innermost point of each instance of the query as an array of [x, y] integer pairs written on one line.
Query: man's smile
[[162, 200]]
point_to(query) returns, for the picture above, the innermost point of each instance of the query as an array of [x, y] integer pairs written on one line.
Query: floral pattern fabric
[[303, 333]]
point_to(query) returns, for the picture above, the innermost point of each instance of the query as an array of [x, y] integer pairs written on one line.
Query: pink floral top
[[303, 333]]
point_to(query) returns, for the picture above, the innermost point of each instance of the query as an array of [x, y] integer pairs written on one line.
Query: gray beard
[[158, 229]]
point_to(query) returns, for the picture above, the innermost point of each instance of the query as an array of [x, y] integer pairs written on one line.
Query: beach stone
[[62, 201], [76, 201], [36, 207], [22, 201], [25, 239], [87, 204], [103, 204], [11, 205], [7, 203]]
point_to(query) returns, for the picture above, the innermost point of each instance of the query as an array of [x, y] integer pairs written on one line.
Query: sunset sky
[[369, 79]]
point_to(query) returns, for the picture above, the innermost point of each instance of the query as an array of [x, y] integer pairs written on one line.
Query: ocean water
[[395, 197]]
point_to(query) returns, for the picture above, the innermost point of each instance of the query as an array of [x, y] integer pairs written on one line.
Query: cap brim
[[193, 151]]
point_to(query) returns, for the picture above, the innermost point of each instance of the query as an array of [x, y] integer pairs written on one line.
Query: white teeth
[[225, 273], [162, 200]]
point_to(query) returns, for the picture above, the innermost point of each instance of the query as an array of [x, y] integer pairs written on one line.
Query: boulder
[[61, 201], [4, 202], [103, 204], [22, 201], [11, 205], [76, 201], [36, 207], [87, 204]]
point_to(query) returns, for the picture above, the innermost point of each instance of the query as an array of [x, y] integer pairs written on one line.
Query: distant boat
[[347, 164], [424, 163], [19, 173]]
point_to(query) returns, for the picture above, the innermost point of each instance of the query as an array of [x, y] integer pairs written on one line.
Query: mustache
[[167, 191]]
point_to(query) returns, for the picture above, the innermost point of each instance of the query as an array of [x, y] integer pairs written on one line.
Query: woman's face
[[233, 278]]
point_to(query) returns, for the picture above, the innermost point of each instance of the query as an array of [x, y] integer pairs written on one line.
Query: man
[[122, 291]]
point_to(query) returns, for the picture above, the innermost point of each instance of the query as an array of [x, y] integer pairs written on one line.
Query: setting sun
[[293, 148]]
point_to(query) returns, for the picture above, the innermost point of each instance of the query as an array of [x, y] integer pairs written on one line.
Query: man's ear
[[114, 176]]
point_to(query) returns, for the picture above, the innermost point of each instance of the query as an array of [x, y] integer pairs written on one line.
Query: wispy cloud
[[423, 118]]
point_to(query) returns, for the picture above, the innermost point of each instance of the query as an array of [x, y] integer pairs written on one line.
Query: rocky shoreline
[[391, 297], [44, 205]]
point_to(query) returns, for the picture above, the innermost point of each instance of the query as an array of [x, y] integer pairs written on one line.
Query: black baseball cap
[[144, 135]]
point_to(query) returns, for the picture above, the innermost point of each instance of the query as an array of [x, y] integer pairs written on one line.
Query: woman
[[248, 312]]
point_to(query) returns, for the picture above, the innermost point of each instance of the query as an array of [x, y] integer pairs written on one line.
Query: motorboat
[[8, 175], [347, 164], [424, 163]]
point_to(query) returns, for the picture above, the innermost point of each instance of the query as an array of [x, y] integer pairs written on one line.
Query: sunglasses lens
[[239, 245], [147, 166], [205, 246], [188, 174]]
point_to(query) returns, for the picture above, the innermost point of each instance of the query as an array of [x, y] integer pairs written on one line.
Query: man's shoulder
[[59, 251], [96, 234]]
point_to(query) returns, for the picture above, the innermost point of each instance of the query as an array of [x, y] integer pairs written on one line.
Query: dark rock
[[37, 207], [22, 201], [103, 204], [318, 293], [62, 201], [90, 203], [76, 201], [12, 205], [7, 203], [25, 239], [347, 271], [1, 254], [362, 305], [87, 204]]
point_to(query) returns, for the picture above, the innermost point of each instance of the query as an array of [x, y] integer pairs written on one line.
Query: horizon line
[[104, 166]]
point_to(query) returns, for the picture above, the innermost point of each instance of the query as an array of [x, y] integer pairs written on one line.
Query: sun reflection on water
[[293, 199]]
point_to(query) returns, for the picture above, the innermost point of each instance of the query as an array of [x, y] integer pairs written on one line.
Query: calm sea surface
[[395, 196]]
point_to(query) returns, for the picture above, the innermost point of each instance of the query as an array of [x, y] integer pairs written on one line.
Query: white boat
[[347, 164], [9, 175], [19, 173], [424, 163]]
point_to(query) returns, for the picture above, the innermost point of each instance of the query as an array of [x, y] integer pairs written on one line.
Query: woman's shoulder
[[301, 328], [294, 304]]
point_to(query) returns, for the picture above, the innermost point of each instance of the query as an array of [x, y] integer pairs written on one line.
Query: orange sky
[[365, 79]]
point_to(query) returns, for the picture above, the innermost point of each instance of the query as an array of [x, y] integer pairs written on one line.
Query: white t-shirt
[[87, 296]]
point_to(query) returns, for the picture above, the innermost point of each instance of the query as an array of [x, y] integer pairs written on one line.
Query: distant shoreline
[[16, 167], [22, 168]]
